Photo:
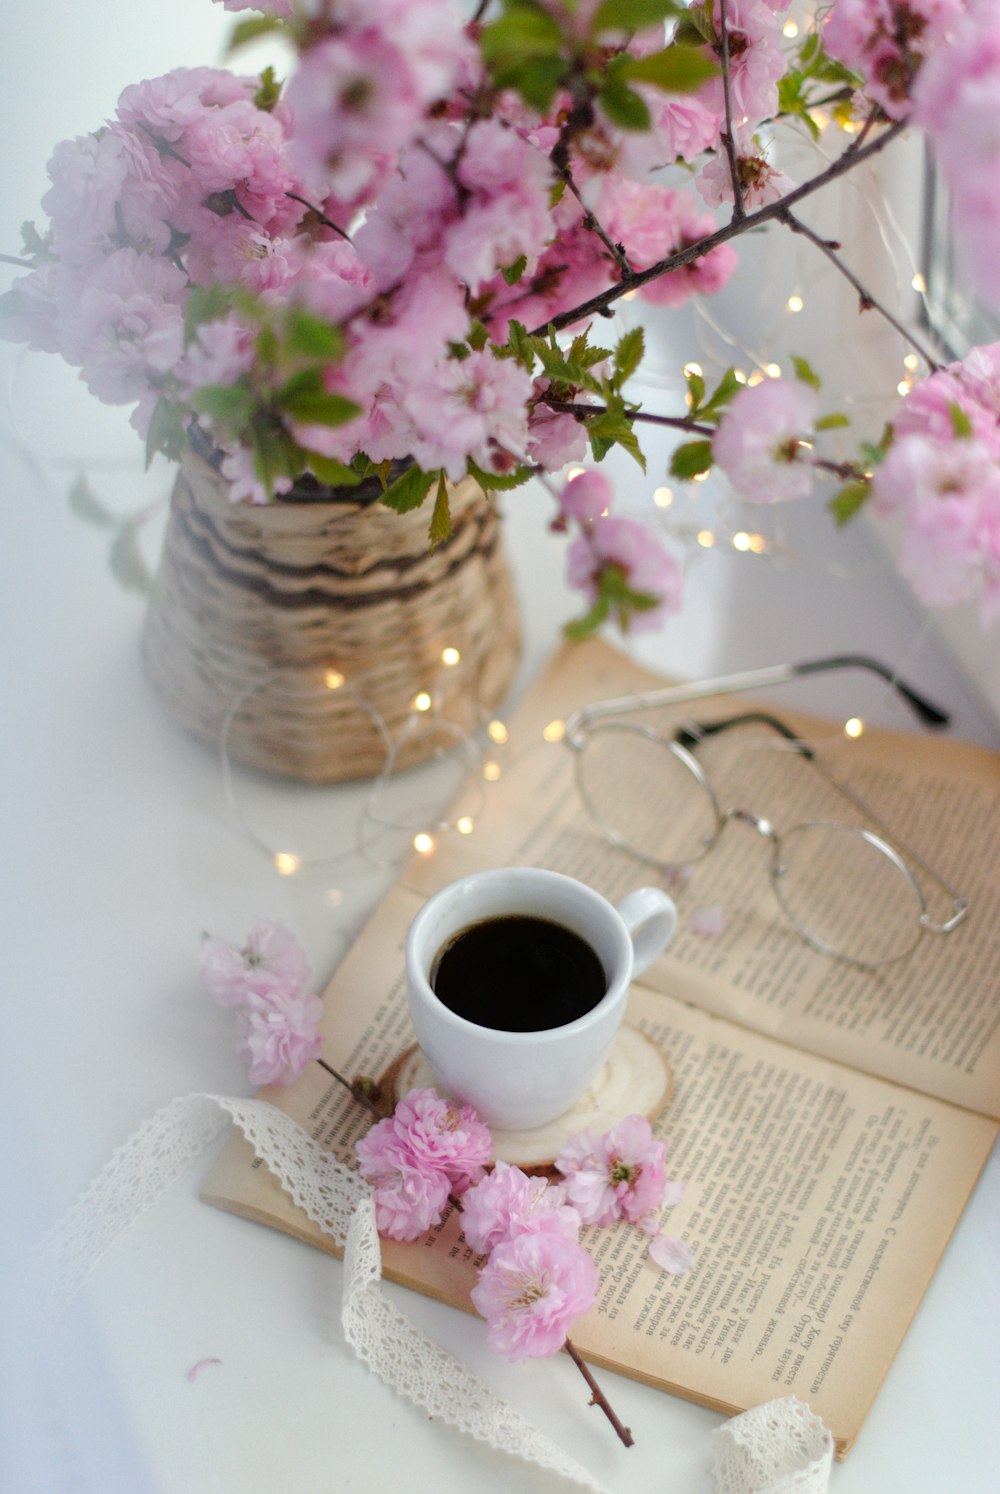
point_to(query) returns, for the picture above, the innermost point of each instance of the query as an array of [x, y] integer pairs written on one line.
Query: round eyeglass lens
[[847, 892], [646, 795]]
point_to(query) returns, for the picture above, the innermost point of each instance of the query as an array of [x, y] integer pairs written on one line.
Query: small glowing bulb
[[286, 863], [663, 497], [693, 370], [739, 376], [465, 825], [820, 118], [555, 731], [849, 126], [912, 362], [491, 771], [758, 544], [741, 540], [423, 843], [701, 477], [705, 538], [854, 727], [630, 295], [903, 387], [333, 679], [497, 732], [919, 283], [422, 702], [794, 303], [773, 370], [575, 472], [450, 657], [790, 29], [755, 378]]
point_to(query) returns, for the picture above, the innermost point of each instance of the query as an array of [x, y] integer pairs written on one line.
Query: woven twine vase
[[258, 607]]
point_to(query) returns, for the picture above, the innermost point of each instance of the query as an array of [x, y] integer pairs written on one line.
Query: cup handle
[[651, 918]]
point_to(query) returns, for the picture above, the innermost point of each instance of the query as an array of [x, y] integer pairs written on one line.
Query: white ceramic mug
[[518, 1080]]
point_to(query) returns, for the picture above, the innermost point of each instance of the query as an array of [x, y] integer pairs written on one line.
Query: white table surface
[[120, 850]]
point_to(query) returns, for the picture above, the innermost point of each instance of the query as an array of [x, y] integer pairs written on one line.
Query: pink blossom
[[472, 407], [639, 553], [760, 182], [759, 436], [409, 1199], [586, 497], [278, 1034], [269, 959], [245, 484], [886, 41], [929, 408], [532, 1290], [955, 103], [622, 1175], [653, 222], [948, 497], [443, 1137], [220, 353], [169, 104], [756, 62], [127, 327], [283, 9], [554, 438], [506, 1203]]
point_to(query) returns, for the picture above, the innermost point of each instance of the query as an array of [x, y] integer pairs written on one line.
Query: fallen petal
[[710, 921], [196, 1369], [671, 1254]]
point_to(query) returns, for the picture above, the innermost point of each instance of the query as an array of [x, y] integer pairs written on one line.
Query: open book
[[830, 1121]]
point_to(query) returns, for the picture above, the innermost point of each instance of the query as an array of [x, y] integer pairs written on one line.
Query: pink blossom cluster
[[537, 1278], [887, 41], [427, 1151], [606, 544], [941, 479], [264, 979], [759, 440], [623, 1175]]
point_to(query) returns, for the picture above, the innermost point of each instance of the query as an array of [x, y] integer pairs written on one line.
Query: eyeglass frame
[[576, 736]]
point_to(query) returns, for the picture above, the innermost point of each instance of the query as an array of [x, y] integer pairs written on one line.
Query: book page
[[818, 1200], [931, 1021]]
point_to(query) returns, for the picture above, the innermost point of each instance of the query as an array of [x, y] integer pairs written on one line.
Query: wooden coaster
[[636, 1080]]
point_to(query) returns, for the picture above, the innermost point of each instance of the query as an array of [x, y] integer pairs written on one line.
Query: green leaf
[[583, 627], [727, 387], [333, 474], [502, 482], [521, 344], [675, 69], [832, 422], [478, 336], [696, 389], [633, 15], [440, 526], [513, 272], [692, 458], [623, 106], [408, 491], [314, 408], [250, 30], [805, 372], [308, 336], [205, 303], [229, 405], [167, 430], [524, 30], [614, 427], [127, 564], [845, 504], [85, 504], [960, 422], [269, 92], [628, 353], [537, 79]]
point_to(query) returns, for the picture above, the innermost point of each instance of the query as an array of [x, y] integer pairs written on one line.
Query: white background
[[120, 851]]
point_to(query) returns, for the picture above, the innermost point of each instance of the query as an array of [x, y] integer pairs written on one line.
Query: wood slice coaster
[[635, 1080]]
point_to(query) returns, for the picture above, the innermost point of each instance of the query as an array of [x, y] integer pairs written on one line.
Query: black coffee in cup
[[518, 973]]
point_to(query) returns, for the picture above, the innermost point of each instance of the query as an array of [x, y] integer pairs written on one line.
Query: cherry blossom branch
[[597, 1396], [829, 247], [359, 1091], [617, 251], [583, 412], [319, 215], [598, 305]]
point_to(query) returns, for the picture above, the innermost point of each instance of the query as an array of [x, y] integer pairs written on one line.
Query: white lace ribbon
[[781, 1448]]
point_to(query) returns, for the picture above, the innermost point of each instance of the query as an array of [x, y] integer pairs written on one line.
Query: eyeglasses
[[849, 890]]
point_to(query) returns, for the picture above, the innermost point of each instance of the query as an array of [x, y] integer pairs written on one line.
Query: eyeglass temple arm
[[750, 679]]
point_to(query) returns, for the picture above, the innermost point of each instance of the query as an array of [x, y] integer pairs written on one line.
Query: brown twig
[[597, 305], [319, 215], [617, 251], [868, 301], [597, 1396], [583, 412], [728, 138]]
